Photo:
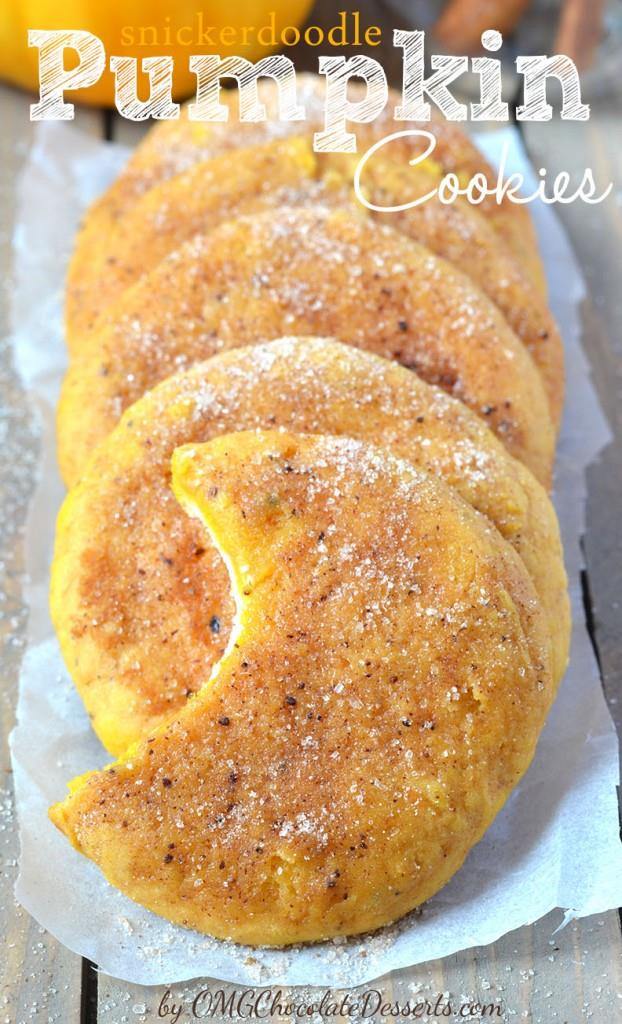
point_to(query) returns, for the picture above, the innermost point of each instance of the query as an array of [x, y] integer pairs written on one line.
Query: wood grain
[[37, 974], [596, 234]]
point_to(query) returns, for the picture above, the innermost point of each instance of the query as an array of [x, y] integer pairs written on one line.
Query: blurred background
[[590, 31]]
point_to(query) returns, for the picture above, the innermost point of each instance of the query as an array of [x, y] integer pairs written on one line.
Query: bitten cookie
[[381, 696], [140, 597]]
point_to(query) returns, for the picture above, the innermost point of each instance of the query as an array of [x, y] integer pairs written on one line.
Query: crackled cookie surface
[[288, 172], [307, 272], [388, 679], [171, 147], [141, 599]]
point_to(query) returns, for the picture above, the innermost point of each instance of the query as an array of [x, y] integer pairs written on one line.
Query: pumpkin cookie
[[320, 271], [288, 172], [171, 147], [140, 599], [360, 732], [103, 265]]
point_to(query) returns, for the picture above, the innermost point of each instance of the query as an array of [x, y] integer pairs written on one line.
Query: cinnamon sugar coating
[[287, 172], [171, 147], [383, 695], [301, 271], [140, 597]]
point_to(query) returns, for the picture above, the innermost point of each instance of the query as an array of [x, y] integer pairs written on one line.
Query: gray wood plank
[[596, 234], [37, 974]]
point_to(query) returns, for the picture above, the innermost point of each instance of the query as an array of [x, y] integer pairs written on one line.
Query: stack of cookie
[[307, 579]]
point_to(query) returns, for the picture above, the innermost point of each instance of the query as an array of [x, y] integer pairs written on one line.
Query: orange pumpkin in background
[[137, 28]]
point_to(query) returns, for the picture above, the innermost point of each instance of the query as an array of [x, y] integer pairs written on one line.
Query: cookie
[[360, 732], [171, 147], [299, 271], [288, 172], [140, 598]]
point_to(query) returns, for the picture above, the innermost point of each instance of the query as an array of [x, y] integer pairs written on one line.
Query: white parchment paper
[[555, 844]]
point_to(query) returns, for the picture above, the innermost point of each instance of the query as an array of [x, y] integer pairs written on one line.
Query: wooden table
[[534, 977]]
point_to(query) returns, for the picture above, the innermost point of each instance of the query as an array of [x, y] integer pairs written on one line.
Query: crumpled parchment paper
[[555, 844]]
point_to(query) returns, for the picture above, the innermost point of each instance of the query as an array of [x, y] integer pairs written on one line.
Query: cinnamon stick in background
[[580, 31], [462, 22]]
